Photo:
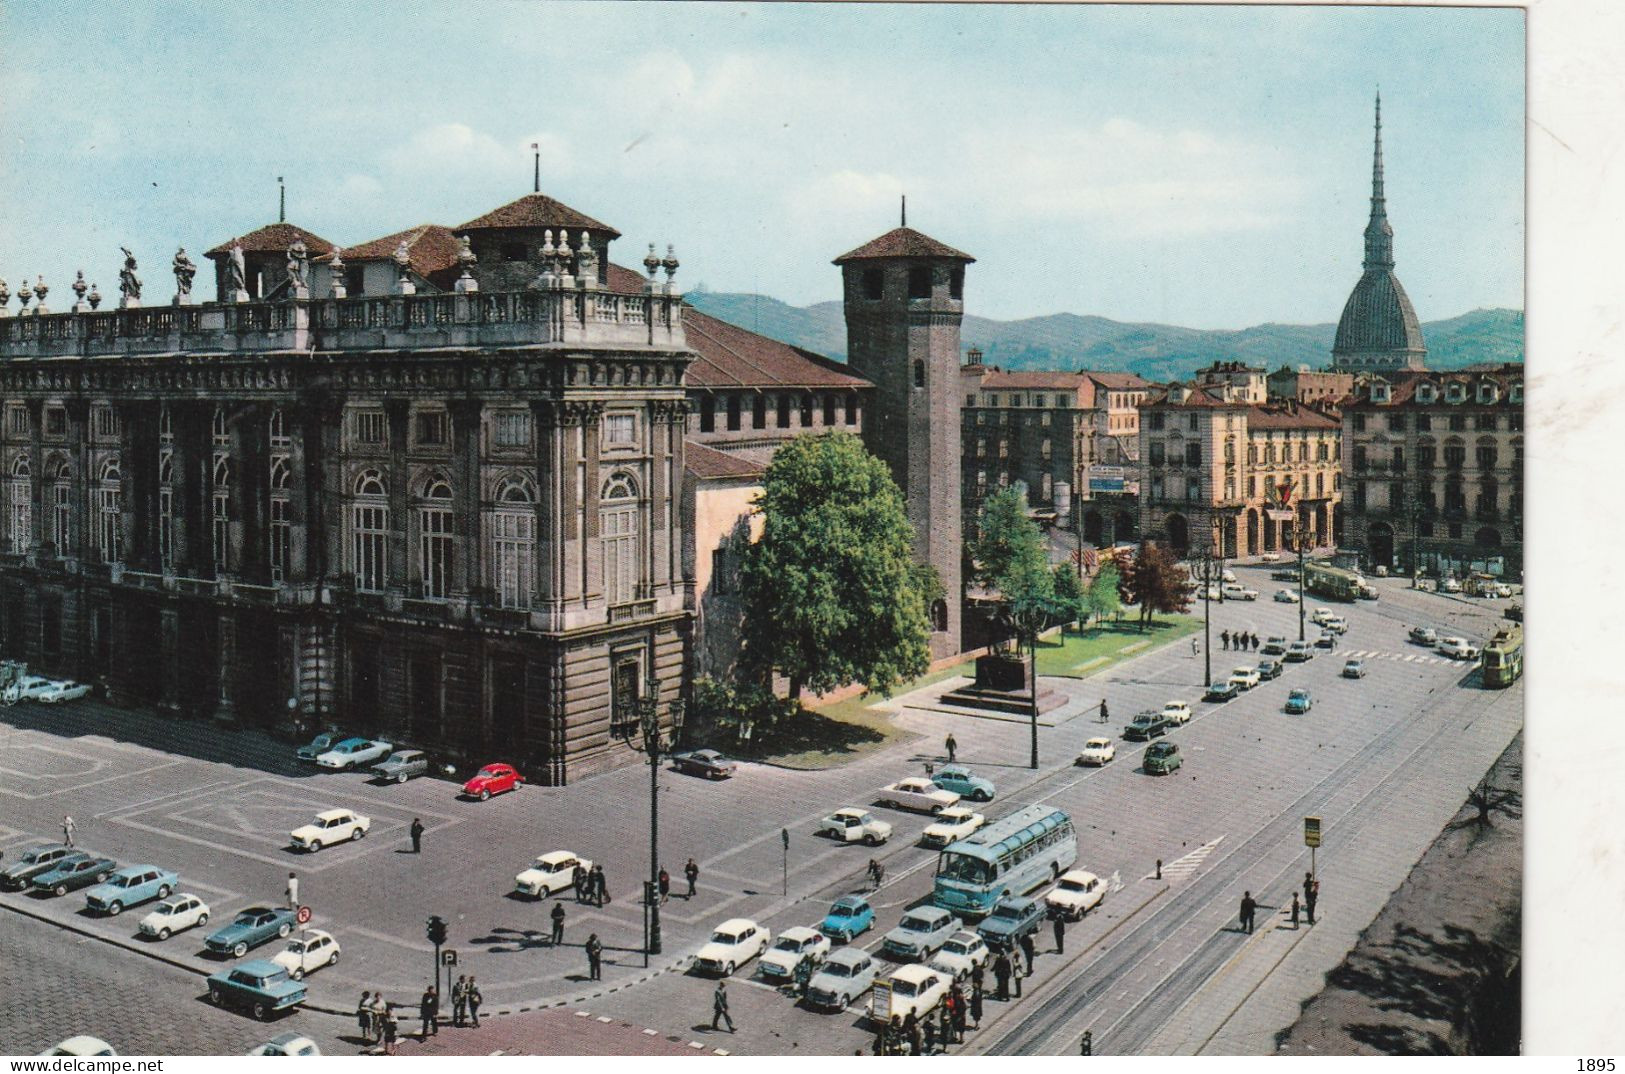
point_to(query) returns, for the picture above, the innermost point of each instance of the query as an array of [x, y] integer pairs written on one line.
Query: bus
[[1011, 856], [1334, 583], [1502, 659]]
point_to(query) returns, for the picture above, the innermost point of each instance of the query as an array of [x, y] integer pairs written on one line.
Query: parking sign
[[1311, 831]]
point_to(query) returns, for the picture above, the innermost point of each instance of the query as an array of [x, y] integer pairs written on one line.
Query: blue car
[[77, 870], [259, 986], [851, 916], [320, 745], [1299, 701], [131, 886], [250, 928], [957, 778]]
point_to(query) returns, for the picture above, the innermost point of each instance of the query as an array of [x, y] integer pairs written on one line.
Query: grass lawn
[[1101, 645]]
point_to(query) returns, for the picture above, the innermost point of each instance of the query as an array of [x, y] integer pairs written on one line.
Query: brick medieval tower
[[904, 300]]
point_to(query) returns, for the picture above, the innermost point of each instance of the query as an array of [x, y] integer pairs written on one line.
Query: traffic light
[[437, 930]]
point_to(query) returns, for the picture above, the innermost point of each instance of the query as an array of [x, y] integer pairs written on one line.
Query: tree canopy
[[1102, 599], [1008, 556], [1155, 582], [831, 591]]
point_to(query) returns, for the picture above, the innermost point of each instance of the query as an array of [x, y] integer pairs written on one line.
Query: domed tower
[[904, 300], [1378, 331]]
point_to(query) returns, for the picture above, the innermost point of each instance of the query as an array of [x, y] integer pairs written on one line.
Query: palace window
[[220, 517], [1458, 423], [430, 427], [708, 414], [17, 421], [1359, 422], [1484, 423], [1193, 490], [618, 525], [874, 284], [1155, 418], [108, 426], [806, 411], [280, 528], [829, 412], [369, 532], [222, 435], [919, 282], [61, 508], [623, 428], [370, 427], [1193, 454], [784, 411], [510, 429], [279, 431], [166, 509], [513, 542], [1455, 456], [1424, 423], [1487, 456], [435, 540], [109, 513], [1396, 422], [56, 421]]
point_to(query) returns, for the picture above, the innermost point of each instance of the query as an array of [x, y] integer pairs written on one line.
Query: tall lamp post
[[643, 733]]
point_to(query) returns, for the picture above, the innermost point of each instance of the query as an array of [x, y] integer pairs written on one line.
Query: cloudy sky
[[1199, 166]]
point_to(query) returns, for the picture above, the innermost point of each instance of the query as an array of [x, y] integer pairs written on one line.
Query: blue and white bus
[[1011, 856]]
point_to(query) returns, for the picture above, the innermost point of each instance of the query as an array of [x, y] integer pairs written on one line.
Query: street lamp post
[[644, 733]]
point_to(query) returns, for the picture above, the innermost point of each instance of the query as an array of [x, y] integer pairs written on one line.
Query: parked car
[[1354, 669], [1425, 635], [259, 986], [62, 690], [1145, 726], [29, 688], [847, 973], [1366, 591], [917, 793], [1274, 645], [1244, 678], [795, 945], [1299, 701], [401, 766], [1078, 892], [288, 1044], [1458, 648], [34, 861], [734, 943], [493, 779], [1012, 917], [707, 763], [77, 870], [1236, 591], [1380, 570], [1299, 651], [1327, 640], [1286, 596], [1178, 712], [82, 1046], [552, 872], [330, 826], [353, 753], [1228, 575], [912, 990], [849, 917], [307, 953], [175, 914], [1269, 669], [131, 886], [1222, 691], [921, 931], [1336, 624], [1162, 758], [1320, 615], [250, 928], [960, 954], [320, 745], [1450, 585], [852, 825], [958, 778], [1097, 751], [952, 823]]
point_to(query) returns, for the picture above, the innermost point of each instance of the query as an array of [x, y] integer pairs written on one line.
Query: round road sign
[[302, 915]]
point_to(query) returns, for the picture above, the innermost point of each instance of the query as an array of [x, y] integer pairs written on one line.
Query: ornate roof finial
[[1379, 236], [904, 212]]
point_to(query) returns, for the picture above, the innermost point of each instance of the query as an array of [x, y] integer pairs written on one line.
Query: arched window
[[513, 541], [220, 510], [222, 435], [21, 520], [281, 532], [618, 527], [279, 430], [109, 513], [435, 539], [369, 532], [62, 508], [166, 504]]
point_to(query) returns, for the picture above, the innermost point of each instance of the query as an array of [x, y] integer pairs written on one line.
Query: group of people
[[380, 1025], [933, 1032], [590, 885], [1311, 896], [1239, 640]]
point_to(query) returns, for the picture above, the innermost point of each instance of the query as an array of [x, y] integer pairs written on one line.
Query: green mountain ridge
[[1158, 352]]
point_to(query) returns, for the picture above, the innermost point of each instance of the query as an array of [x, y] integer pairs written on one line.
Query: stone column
[[402, 565], [326, 493], [468, 573], [303, 443], [84, 480]]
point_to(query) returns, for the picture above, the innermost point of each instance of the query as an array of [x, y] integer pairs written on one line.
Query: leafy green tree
[[1102, 598], [1154, 582], [1071, 601], [831, 592], [1008, 556]]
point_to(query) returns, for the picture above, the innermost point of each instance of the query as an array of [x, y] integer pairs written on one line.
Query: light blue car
[[850, 916], [131, 886], [957, 778], [258, 986], [922, 930]]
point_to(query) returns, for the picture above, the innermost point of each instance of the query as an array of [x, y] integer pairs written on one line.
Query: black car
[[1146, 725], [1274, 646], [1012, 918], [34, 861], [707, 763], [1269, 669], [75, 871], [1326, 641], [1221, 691]]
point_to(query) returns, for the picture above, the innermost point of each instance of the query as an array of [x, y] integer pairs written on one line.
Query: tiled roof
[[903, 242], [731, 357], [431, 247], [624, 280], [1197, 397], [1033, 378], [537, 211], [1117, 380], [1289, 415], [274, 237], [1402, 386], [708, 462]]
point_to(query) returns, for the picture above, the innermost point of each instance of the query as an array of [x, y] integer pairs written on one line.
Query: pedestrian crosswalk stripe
[[1185, 866]]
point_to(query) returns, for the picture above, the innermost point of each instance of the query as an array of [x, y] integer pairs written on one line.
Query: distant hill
[[1155, 351]]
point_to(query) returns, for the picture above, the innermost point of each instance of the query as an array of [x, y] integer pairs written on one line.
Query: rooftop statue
[[129, 284]]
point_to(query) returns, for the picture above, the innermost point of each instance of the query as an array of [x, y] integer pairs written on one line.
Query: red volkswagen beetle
[[493, 779]]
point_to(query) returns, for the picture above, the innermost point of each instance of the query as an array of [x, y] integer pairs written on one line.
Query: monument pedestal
[[1004, 683]]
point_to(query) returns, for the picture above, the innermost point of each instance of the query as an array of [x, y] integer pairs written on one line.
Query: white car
[[1335, 623], [795, 945], [1450, 585], [1458, 649], [175, 914], [308, 953], [848, 972], [29, 688], [913, 989], [1286, 596], [62, 690], [1236, 591], [353, 753], [1177, 711], [1320, 615], [1270, 557], [852, 825], [288, 1044], [964, 951], [1228, 575], [82, 1046], [1244, 678], [330, 826], [952, 823], [734, 943], [1097, 751], [917, 793], [1078, 892], [551, 873]]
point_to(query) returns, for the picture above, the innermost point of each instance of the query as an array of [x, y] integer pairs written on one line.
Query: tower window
[[919, 374], [919, 281], [829, 410], [851, 409], [806, 411], [784, 411], [874, 284], [708, 414], [758, 412], [733, 413], [956, 283]]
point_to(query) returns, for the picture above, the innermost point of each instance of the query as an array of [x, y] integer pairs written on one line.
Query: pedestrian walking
[[293, 891], [1254, 639], [380, 1008], [719, 1006], [390, 1028], [1059, 925], [1194, 649], [1294, 909], [956, 1014], [1029, 952], [877, 871], [1103, 714], [556, 937], [459, 1001], [1248, 909], [429, 1011], [1311, 896], [595, 956], [930, 770], [68, 827], [976, 1004], [916, 1039], [474, 1001], [930, 1030], [416, 832], [951, 746], [1001, 974], [600, 888], [1224, 637], [894, 1035], [363, 1017], [665, 885], [578, 879], [978, 974], [691, 873]]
